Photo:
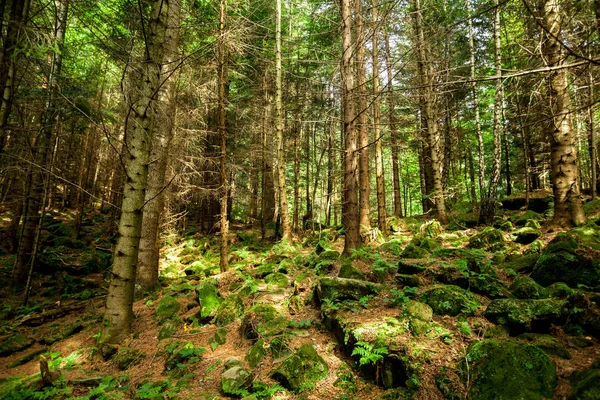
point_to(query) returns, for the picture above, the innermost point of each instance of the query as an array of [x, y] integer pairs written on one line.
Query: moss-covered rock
[[256, 353], [340, 289], [521, 263], [450, 300], [572, 257], [503, 225], [167, 307], [420, 247], [235, 380], [431, 229], [408, 280], [584, 384], [560, 290], [524, 287], [277, 279], [549, 344], [301, 370], [349, 271], [526, 315], [505, 369], [418, 310], [520, 220], [329, 255], [262, 320], [209, 299], [525, 235], [180, 355], [167, 330], [410, 268], [14, 343], [229, 310], [489, 239], [60, 331]]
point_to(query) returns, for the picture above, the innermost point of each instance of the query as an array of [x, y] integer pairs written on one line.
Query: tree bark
[[379, 173], [222, 132], [563, 158], [118, 315]]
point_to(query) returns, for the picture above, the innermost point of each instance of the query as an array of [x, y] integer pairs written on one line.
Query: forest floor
[[372, 340]]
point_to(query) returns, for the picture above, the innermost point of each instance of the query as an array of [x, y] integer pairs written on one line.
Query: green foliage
[[399, 297], [370, 353]]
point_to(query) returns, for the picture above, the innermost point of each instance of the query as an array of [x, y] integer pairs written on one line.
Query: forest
[[299, 199]]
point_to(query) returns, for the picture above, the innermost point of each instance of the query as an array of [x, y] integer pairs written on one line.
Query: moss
[[526, 315], [503, 225], [255, 318], [301, 370], [167, 307], [521, 263], [418, 310], [560, 290], [167, 330], [505, 369], [329, 255], [277, 279], [547, 343], [180, 355], [521, 219], [339, 289], [450, 300], [591, 207], [127, 357], [14, 343], [525, 235], [584, 384], [431, 229], [526, 288], [408, 280], [229, 310], [256, 353], [235, 379], [349, 271], [490, 239], [209, 299]]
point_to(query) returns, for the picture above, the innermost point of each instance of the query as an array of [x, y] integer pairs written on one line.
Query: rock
[[547, 343], [181, 353], [488, 286], [503, 225], [256, 353], [235, 379], [420, 247], [263, 320], [526, 288], [329, 255], [167, 307], [410, 269], [488, 239], [526, 315], [229, 310], [349, 271], [418, 310], [431, 229], [521, 263], [14, 343], [418, 327], [301, 370], [571, 257], [339, 289], [277, 279], [408, 280], [525, 235], [231, 362], [27, 357], [505, 369], [585, 384], [450, 300], [167, 330], [61, 332], [522, 219], [209, 299], [559, 290]]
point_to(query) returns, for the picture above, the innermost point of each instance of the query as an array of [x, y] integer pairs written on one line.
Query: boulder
[[450, 300], [167, 307], [14, 343], [526, 315], [488, 239], [349, 271], [525, 235], [584, 384], [526, 288], [235, 380], [505, 369], [301, 370], [339, 289], [209, 299], [229, 310]]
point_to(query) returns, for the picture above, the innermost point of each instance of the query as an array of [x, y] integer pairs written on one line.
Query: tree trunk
[[283, 200], [118, 314], [222, 132], [379, 173], [350, 212], [363, 128], [427, 99], [147, 273], [563, 157]]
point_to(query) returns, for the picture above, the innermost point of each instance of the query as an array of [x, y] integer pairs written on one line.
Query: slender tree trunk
[[350, 211], [379, 173], [296, 167], [488, 207], [427, 99], [147, 272], [118, 314], [363, 128], [42, 154], [222, 132], [563, 157], [592, 136], [283, 200], [392, 124]]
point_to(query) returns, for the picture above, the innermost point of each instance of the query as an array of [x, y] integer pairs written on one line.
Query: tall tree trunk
[[118, 314], [283, 200], [350, 212], [427, 99], [41, 154], [363, 128], [379, 174], [591, 134], [488, 207], [392, 124], [222, 132], [563, 157], [147, 268]]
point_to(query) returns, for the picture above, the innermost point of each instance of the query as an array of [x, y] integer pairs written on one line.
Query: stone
[[525, 235], [505, 369], [410, 269], [329, 255], [418, 310], [235, 379], [584, 384], [209, 299], [526, 315], [489, 239], [521, 263], [408, 280], [255, 320], [549, 344], [167, 330], [450, 300], [301, 370], [229, 310], [167, 307], [526, 288], [231, 362], [277, 279], [256, 353], [127, 357], [349, 271], [339, 289], [14, 343], [560, 290], [522, 219]]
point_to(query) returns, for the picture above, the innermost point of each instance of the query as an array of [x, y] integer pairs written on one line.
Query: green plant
[[464, 328], [370, 353], [400, 297], [364, 301]]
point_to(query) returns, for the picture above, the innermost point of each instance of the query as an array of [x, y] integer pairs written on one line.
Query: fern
[[369, 353]]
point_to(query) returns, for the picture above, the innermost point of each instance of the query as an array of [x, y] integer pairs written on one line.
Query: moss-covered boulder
[[256, 353], [14, 343], [301, 370], [236, 379], [549, 344], [167, 330], [329, 255], [349, 271], [229, 310], [410, 268], [408, 280], [418, 310], [524, 287], [263, 320], [571, 257], [340, 289], [277, 279], [209, 299], [521, 219], [585, 384], [505, 369], [521, 263], [167, 307], [450, 300], [489, 239], [525, 235], [503, 225], [420, 247], [560, 290], [526, 315]]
